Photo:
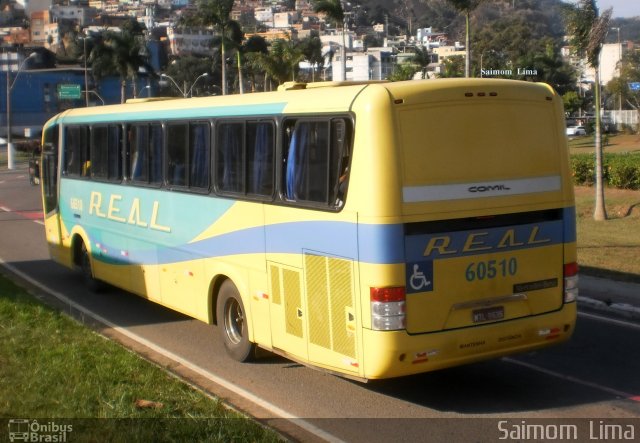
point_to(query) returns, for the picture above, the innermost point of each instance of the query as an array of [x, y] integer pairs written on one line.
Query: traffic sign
[[69, 92], [634, 86]]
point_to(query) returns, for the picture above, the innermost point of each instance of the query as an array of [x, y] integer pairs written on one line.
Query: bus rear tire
[[232, 321], [92, 283]]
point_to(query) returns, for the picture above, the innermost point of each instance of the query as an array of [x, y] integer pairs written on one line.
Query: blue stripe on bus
[[368, 243], [378, 243], [196, 112], [569, 217]]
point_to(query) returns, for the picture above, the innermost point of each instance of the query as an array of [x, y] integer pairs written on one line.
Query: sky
[[621, 8]]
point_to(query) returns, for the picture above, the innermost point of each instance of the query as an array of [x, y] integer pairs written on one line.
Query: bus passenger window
[[138, 143], [230, 158], [114, 156], [145, 153], [199, 155], [155, 154], [177, 154], [76, 151], [316, 161], [307, 162], [260, 147]]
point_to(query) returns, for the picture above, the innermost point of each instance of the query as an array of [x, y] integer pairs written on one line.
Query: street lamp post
[[184, 91], [86, 78], [10, 85]]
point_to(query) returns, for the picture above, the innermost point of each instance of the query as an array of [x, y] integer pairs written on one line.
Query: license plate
[[488, 314]]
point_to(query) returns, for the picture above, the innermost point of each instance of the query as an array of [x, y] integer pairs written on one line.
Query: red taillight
[[386, 295], [570, 282], [387, 308], [570, 269]]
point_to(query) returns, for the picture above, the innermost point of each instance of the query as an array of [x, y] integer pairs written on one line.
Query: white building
[[184, 41]]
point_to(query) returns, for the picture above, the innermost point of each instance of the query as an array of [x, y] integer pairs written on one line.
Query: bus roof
[[292, 97]]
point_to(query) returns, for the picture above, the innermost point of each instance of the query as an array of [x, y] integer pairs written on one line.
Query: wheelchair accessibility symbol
[[419, 277]]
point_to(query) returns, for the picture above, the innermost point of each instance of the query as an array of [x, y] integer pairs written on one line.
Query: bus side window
[[145, 153], [76, 151], [199, 149], [115, 148], [177, 154], [156, 140], [230, 158], [340, 158], [260, 147], [316, 161]]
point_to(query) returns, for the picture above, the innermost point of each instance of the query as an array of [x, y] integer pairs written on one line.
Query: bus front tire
[[90, 281], [232, 321]]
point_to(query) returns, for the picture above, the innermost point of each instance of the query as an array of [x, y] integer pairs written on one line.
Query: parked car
[[576, 130]]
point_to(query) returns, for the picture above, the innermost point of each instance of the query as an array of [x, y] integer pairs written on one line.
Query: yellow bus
[[372, 230]]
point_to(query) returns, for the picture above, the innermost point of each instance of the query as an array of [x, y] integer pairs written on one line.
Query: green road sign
[[69, 92]]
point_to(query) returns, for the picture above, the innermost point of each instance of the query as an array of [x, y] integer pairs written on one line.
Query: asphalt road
[[592, 381]]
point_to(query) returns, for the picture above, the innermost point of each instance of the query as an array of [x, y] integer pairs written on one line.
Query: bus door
[[312, 246], [49, 179]]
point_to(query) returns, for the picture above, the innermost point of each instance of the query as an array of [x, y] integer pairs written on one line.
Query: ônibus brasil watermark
[[21, 429]]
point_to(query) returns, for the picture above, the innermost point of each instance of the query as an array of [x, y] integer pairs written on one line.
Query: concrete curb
[[610, 297]]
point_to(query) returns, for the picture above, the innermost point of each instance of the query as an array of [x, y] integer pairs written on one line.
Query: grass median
[[51, 367], [609, 249]]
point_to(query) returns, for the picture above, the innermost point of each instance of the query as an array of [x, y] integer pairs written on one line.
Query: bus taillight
[[387, 308], [570, 282]]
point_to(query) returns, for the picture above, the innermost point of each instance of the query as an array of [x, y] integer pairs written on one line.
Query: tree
[[311, 48], [127, 60], [335, 13], [572, 102], [216, 13], [185, 70], [251, 49], [452, 67], [466, 7], [120, 54], [403, 71], [587, 30], [421, 58], [629, 68], [281, 62]]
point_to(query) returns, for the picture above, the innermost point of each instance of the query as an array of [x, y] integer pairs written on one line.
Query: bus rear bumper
[[396, 353]]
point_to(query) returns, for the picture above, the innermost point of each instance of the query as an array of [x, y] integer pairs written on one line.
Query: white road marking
[[610, 320], [275, 410], [559, 375]]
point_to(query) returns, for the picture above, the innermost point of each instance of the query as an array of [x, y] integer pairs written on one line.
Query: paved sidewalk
[[615, 297]]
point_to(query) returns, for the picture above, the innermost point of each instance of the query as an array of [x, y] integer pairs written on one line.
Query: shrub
[[624, 171], [619, 170]]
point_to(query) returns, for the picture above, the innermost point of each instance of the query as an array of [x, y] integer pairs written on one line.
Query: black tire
[[232, 321], [90, 281]]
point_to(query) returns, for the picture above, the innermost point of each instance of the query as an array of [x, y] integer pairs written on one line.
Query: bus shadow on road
[[493, 387]]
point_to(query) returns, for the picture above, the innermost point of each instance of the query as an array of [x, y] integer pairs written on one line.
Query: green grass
[[611, 248], [53, 367], [615, 143]]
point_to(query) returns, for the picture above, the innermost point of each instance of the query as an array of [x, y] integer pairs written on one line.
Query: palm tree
[[421, 58], [281, 63], [335, 13], [119, 54], [587, 30], [127, 60], [466, 7], [253, 48], [216, 13], [311, 48]]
